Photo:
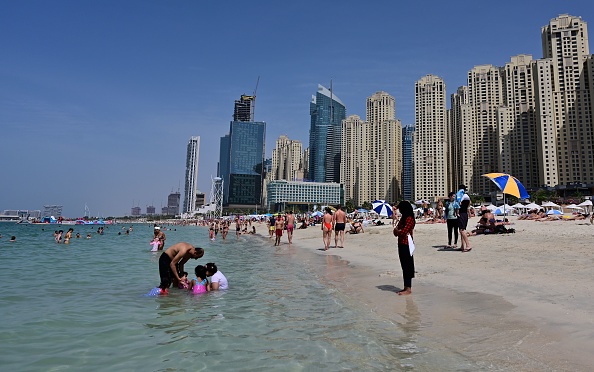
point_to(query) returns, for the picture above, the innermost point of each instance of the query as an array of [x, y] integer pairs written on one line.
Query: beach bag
[[411, 244]]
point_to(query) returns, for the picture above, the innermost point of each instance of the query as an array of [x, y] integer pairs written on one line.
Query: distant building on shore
[[191, 179], [173, 201], [286, 159], [407, 162], [284, 195], [150, 210], [136, 211], [52, 210]]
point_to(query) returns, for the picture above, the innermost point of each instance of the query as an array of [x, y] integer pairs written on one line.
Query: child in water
[[184, 283], [155, 243], [199, 284]]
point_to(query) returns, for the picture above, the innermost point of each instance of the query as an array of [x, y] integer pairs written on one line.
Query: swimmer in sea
[[327, 224]]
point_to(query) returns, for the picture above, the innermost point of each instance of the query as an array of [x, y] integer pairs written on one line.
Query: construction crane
[[254, 95]]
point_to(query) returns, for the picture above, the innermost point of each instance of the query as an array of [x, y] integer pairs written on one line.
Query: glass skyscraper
[[327, 112], [241, 163], [191, 184]]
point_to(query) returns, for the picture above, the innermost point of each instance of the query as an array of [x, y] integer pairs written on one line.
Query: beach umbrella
[[519, 206], [554, 211], [587, 204], [421, 201], [508, 184], [382, 208], [362, 210], [317, 214], [491, 207], [532, 206]]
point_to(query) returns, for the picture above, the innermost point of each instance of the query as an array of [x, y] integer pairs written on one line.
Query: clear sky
[[98, 99]]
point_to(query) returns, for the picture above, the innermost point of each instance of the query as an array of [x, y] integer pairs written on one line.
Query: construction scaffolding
[[216, 198]]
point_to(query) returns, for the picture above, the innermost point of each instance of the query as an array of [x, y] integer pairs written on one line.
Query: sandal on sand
[[467, 250]]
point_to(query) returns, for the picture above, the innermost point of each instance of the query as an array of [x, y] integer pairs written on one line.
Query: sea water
[[83, 306]]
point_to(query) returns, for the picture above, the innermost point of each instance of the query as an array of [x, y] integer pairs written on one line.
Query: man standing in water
[[290, 226], [279, 225], [339, 220], [161, 236], [171, 263]]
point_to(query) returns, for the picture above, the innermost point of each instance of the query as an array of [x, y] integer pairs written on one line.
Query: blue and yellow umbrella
[[508, 184]]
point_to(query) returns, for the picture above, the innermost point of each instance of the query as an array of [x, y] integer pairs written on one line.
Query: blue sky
[[98, 99]]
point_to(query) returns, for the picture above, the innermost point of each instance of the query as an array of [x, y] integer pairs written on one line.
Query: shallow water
[[82, 307]]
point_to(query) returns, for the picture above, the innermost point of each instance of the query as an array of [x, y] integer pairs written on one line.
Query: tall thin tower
[[216, 198], [191, 187]]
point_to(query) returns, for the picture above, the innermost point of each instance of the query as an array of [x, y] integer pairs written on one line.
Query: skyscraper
[[454, 138], [517, 122], [241, 162], [565, 89], [430, 141], [173, 203], [286, 159], [244, 108], [191, 184], [407, 162], [327, 112], [371, 165]]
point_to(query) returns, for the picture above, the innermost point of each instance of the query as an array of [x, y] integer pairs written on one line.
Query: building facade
[[191, 182], [286, 159], [173, 201], [282, 194], [241, 163], [327, 112], [564, 81], [371, 166], [430, 139], [407, 162]]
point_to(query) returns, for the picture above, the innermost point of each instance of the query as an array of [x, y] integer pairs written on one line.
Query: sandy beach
[[519, 301]]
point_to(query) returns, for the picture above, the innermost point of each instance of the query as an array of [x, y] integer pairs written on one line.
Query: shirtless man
[[279, 225], [290, 226], [327, 224], [161, 236], [339, 221], [171, 263]]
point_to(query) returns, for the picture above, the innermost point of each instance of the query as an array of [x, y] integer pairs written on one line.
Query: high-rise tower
[[430, 142], [286, 159], [191, 184], [241, 160], [327, 112], [565, 89]]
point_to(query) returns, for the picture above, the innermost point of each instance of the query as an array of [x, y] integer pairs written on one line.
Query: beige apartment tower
[[286, 159], [517, 122], [430, 139], [564, 81], [371, 164]]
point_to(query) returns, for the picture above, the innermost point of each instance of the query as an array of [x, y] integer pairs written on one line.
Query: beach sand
[[521, 301]]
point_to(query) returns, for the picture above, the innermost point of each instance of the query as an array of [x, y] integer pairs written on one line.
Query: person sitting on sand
[[356, 227]]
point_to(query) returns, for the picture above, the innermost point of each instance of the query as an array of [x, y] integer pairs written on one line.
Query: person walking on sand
[[405, 227], [451, 215], [327, 228], [339, 220], [171, 263], [464, 201], [290, 226]]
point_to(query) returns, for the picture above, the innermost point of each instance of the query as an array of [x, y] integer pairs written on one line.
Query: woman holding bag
[[403, 229]]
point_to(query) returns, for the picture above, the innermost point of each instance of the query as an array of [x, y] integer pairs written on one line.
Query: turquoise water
[[82, 307]]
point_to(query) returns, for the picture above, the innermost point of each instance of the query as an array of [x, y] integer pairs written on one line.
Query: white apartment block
[[191, 182], [564, 79], [286, 159], [371, 165], [429, 139]]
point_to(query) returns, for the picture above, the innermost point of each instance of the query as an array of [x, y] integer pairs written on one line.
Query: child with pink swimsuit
[[200, 283]]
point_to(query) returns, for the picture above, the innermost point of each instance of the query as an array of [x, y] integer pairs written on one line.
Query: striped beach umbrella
[[508, 184], [382, 208]]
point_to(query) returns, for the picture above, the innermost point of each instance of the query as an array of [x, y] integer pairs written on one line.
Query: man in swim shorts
[[339, 220], [290, 226], [171, 262], [279, 225], [327, 223]]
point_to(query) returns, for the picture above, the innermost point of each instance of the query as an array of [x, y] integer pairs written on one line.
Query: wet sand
[[518, 301]]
